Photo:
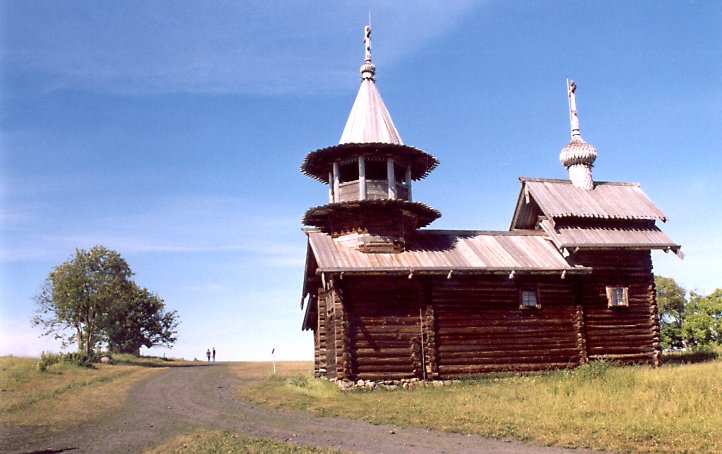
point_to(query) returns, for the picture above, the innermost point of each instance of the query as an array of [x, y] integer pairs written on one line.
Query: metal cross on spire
[[573, 117], [367, 42], [368, 70]]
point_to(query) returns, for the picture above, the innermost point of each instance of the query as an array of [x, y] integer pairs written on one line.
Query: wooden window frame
[[534, 291], [613, 301]]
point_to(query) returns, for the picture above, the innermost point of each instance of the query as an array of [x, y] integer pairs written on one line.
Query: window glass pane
[[528, 298], [617, 296]]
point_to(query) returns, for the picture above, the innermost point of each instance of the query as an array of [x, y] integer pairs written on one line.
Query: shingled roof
[[557, 199], [369, 120], [610, 215], [641, 236], [444, 251]]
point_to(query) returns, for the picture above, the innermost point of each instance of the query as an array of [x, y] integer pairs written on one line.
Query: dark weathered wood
[[625, 334], [433, 327]]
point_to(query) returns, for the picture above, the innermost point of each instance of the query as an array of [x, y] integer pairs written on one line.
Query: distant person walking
[[214, 354], [208, 354]]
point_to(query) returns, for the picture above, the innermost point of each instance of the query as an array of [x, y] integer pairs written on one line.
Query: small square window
[[617, 296], [529, 298]]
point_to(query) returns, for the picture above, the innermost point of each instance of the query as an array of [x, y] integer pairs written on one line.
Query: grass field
[[212, 441], [34, 398], [674, 408]]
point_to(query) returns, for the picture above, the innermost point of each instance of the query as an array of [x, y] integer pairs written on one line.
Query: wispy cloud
[[208, 47], [181, 225]]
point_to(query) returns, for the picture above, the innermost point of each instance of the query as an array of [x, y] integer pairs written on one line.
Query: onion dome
[[578, 156]]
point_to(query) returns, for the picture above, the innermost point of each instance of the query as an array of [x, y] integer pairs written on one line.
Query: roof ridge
[[596, 183], [520, 232]]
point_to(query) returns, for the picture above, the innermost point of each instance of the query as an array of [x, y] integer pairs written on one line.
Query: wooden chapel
[[570, 281]]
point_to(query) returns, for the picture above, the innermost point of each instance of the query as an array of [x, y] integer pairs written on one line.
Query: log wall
[[385, 327], [391, 327], [626, 334], [320, 345], [481, 328], [333, 343]]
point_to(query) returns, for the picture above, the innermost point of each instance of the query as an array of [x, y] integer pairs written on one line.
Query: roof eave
[[519, 202], [453, 270]]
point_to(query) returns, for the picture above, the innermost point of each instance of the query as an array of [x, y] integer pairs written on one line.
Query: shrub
[[80, 359], [696, 355], [594, 370], [47, 359], [298, 380]]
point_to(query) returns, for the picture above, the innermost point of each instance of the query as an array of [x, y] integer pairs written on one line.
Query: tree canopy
[[703, 319], [141, 322], [694, 322], [94, 297], [671, 302]]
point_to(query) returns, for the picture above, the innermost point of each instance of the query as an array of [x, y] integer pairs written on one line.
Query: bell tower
[[369, 176]]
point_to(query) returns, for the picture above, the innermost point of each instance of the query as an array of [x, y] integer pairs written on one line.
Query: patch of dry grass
[[640, 409], [203, 440], [64, 394]]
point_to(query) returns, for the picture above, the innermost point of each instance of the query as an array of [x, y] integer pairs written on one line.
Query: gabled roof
[[442, 251], [369, 121], [557, 199]]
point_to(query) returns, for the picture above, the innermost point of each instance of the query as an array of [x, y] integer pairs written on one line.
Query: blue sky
[[173, 133]]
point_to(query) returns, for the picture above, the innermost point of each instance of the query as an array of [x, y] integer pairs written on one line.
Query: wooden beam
[[362, 178], [336, 182], [391, 177]]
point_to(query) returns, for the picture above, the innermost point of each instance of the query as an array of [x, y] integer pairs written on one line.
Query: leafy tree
[[93, 295], [79, 293], [141, 321], [671, 302], [702, 326]]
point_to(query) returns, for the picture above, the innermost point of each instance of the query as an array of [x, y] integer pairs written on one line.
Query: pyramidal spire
[[369, 120], [578, 156]]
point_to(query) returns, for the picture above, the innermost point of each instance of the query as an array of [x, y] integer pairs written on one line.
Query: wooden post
[[391, 178], [581, 335], [361, 178], [580, 325], [431, 362], [408, 182], [654, 322], [423, 350], [322, 347], [330, 187], [336, 182]]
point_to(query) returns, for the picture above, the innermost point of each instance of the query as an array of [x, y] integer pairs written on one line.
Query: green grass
[[213, 441], [675, 408]]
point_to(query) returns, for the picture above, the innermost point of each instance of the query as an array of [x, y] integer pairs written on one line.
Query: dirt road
[[180, 399]]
